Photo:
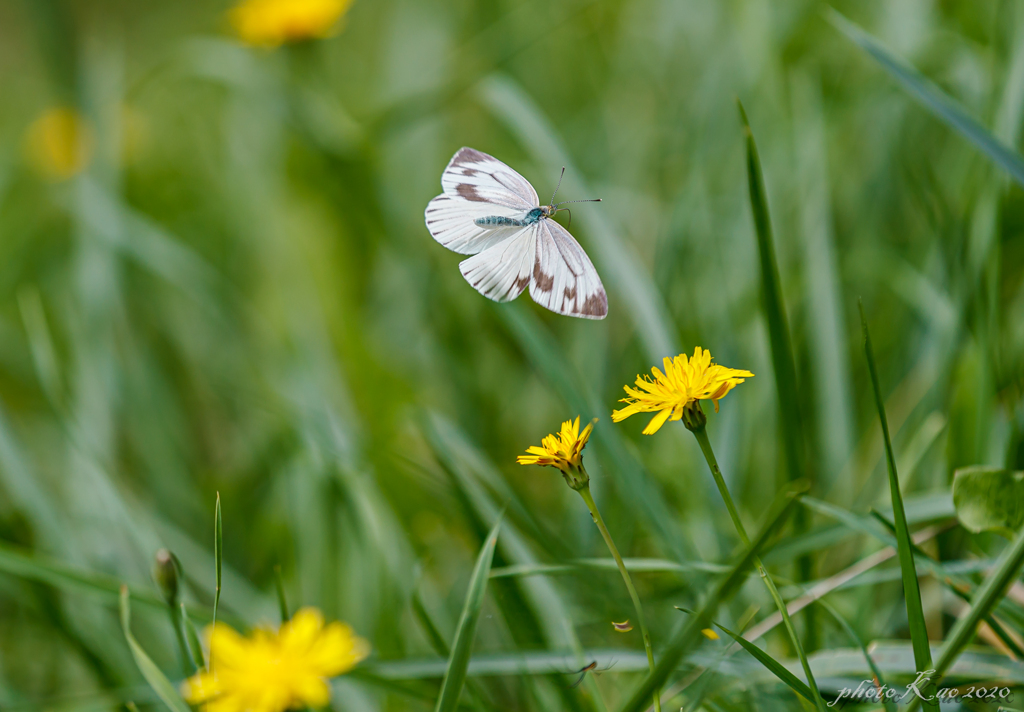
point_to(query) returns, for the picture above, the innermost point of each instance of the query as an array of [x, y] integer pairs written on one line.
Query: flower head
[[59, 143], [672, 394], [563, 450], [274, 671], [271, 23]]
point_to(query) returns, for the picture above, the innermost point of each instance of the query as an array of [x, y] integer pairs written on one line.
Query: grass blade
[[985, 599], [904, 546], [195, 648], [852, 634], [458, 661], [778, 669], [282, 600], [156, 679], [218, 555], [933, 98], [689, 637]]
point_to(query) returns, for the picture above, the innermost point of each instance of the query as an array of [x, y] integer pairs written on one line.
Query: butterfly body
[[492, 213]]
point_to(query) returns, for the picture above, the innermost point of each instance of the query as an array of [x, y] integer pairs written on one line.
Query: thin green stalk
[[705, 445], [588, 499]]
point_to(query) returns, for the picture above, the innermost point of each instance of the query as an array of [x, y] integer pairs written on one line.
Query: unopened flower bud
[[165, 573]]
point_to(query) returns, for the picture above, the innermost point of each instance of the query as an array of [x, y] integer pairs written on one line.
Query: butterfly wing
[[563, 278], [502, 271], [477, 186]]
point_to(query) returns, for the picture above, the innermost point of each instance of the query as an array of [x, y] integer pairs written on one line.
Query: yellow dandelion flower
[[59, 143], [275, 671], [272, 23], [563, 450], [684, 382]]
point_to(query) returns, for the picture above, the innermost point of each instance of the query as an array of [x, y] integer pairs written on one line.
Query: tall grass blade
[[904, 546], [985, 599], [933, 98], [157, 680], [689, 638], [465, 632], [218, 555]]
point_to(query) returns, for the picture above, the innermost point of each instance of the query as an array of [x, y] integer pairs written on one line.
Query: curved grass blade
[[689, 638], [156, 679], [458, 661], [985, 599], [218, 555], [904, 546], [933, 98], [778, 669], [852, 634]]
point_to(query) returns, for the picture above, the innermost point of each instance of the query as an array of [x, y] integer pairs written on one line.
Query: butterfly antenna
[[559, 185]]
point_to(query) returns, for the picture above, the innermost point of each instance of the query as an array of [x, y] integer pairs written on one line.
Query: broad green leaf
[[989, 498], [156, 679], [904, 546], [934, 99], [465, 632]]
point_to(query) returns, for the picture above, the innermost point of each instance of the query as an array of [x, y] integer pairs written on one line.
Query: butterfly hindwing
[[563, 279], [502, 271]]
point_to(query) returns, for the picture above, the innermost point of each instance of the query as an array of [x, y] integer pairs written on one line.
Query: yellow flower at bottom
[[271, 23], [563, 450], [59, 143], [275, 671], [685, 381]]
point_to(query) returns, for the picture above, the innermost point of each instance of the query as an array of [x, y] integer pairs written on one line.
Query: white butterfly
[[491, 212]]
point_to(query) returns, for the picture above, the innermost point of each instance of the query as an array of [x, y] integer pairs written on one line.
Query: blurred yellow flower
[[275, 671], [685, 381], [271, 23], [59, 143]]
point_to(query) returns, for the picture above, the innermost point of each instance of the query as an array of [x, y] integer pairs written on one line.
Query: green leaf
[[934, 99], [904, 546], [989, 498], [156, 679], [458, 661], [796, 684], [689, 638]]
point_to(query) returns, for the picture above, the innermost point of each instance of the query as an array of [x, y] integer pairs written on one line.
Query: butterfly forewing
[[479, 178]]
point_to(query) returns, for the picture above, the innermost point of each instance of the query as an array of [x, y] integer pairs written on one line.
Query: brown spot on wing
[[469, 155], [521, 283], [570, 293], [596, 304], [468, 192], [544, 281]]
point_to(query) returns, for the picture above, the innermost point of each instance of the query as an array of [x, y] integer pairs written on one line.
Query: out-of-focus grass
[[238, 294]]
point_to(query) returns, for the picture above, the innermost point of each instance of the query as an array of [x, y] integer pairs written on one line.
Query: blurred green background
[[233, 290]]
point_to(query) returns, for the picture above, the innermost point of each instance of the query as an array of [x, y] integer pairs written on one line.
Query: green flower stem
[[701, 434], [599, 521]]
